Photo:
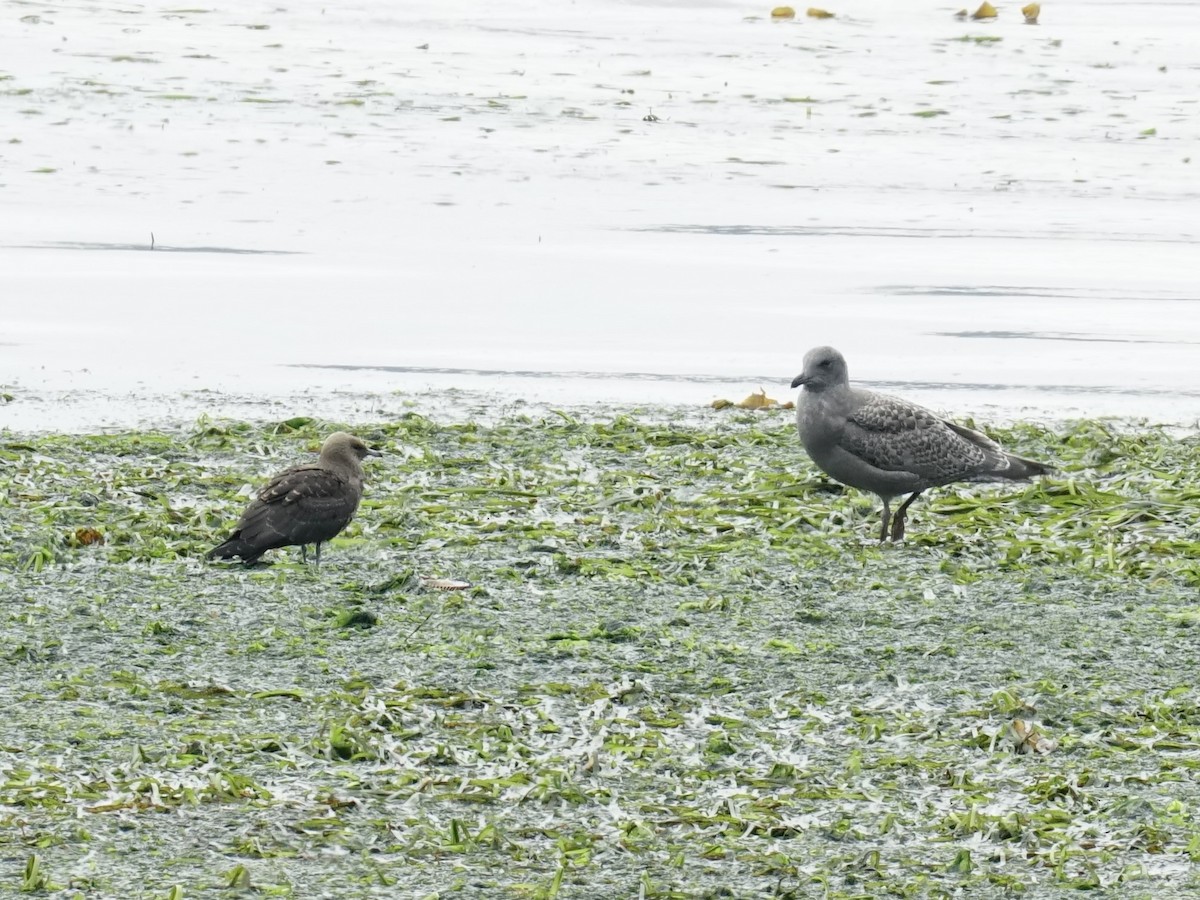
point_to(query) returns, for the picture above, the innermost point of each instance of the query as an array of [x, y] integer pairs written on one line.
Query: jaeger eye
[[824, 364]]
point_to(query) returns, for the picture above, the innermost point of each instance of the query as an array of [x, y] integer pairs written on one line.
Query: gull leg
[[898, 522], [887, 515]]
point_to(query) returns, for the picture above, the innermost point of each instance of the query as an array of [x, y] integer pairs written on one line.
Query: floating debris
[[783, 12], [445, 584], [1027, 739], [757, 400], [814, 13], [357, 618], [84, 537], [985, 11], [1031, 13]]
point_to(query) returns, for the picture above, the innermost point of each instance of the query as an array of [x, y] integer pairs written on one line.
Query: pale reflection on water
[[629, 203]]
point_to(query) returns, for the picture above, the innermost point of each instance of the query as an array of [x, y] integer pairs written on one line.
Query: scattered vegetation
[[980, 39], [684, 669]]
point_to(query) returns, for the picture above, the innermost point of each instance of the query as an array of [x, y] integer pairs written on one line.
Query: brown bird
[[303, 505]]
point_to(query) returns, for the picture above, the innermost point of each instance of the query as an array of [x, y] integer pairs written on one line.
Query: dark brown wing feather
[[304, 505]]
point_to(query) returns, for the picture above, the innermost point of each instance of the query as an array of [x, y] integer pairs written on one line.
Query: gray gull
[[889, 446], [306, 504]]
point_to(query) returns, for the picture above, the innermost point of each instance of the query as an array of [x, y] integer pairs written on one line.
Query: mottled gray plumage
[[889, 446], [306, 504]]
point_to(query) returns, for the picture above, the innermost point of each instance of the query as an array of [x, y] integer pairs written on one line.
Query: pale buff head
[[342, 449]]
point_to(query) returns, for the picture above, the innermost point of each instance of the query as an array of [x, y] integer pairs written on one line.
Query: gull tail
[[1001, 463], [1017, 467]]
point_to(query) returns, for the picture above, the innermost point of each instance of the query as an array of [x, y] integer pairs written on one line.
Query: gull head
[[823, 367]]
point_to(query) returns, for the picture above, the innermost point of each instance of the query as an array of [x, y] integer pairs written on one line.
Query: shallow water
[[625, 202]]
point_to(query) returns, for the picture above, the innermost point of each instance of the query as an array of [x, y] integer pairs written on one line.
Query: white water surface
[[355, 206]]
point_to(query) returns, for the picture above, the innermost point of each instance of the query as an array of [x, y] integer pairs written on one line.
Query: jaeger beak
[[371, 451], [799, 380]]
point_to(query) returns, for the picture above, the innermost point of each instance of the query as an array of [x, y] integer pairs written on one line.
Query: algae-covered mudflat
[[684, 669]]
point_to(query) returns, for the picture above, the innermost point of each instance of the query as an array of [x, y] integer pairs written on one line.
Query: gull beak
[[799, 380]]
